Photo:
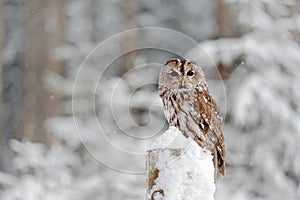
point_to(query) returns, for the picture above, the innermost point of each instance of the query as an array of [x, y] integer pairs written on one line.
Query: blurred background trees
[[254, 44]]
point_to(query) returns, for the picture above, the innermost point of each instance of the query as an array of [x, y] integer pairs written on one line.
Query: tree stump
[[178, 174]]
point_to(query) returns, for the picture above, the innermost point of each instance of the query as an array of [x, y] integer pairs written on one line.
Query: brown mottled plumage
[[189, 106]]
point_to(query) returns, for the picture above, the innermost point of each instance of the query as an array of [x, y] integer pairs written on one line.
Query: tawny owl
[[189, 106]]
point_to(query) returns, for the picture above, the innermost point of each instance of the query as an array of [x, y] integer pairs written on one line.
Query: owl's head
[[181, 75]]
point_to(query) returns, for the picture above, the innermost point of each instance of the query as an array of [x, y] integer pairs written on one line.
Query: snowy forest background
[[76, 128]]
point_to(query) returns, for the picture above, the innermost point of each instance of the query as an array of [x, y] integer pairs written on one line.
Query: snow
[[171, 138], [189, 176]]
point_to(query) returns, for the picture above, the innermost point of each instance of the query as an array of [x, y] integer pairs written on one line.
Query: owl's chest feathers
[[176, 104], [178, 109]]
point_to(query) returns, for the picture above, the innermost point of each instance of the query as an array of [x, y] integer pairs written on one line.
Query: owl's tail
[[219, 161]]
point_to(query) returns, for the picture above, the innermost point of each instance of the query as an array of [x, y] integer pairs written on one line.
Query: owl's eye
[[173, 73], [190, 73]]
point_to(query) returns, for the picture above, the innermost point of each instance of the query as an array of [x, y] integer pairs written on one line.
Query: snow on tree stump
[[185, 172]]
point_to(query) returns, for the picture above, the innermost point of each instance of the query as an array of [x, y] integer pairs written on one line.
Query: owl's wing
[[208, 117], [206, 114]]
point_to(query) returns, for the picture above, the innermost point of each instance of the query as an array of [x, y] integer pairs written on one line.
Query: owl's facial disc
[[182, 74]]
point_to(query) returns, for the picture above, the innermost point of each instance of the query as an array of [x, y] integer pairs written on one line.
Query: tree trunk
[[45, 32], [225, 20], [2, 136], [35, 58], [226, 27], [129, 43], [54, 38]]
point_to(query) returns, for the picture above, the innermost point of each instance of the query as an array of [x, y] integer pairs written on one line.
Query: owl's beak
[[182, 82]]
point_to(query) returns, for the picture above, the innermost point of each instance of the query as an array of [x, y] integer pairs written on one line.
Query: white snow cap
[[171, 138], [189, 176]]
